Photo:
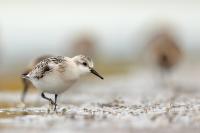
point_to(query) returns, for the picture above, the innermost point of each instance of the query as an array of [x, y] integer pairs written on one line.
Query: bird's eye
[[84, 63]]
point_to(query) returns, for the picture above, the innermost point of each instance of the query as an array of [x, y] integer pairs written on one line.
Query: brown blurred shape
[[26, 83], [84, 44], [165, 51]]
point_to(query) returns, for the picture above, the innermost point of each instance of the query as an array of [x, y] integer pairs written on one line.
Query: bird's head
[[85, 65]]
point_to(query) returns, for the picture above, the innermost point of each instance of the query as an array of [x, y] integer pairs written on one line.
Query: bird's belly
[[53, 84]]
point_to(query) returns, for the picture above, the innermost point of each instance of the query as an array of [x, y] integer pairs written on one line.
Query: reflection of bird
[[55, 75], [27, 83]]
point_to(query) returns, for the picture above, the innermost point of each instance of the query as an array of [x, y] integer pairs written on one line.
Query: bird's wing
[[39, 70], [46, 66]]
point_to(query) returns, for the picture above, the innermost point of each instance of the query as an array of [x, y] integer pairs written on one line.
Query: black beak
[[96, 73]]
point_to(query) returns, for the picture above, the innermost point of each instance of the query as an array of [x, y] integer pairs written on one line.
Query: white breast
[[55, 82]]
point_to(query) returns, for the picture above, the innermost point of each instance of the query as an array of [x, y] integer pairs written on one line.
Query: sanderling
[[27, 83], [55, 75], [166, 52]]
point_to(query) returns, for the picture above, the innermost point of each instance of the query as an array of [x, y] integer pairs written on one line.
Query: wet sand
[[133, 103]]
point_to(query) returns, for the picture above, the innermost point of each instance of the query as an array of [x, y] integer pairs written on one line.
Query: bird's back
[[45, 66]]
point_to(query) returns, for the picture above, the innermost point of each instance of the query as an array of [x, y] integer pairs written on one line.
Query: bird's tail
[[25, 76]]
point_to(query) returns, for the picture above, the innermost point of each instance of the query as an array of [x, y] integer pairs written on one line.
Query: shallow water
[[136, 102]]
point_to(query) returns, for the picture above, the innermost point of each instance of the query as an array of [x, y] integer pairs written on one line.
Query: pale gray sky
[[31, 28]]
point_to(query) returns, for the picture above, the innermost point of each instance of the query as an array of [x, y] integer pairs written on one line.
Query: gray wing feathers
[[42, 68]]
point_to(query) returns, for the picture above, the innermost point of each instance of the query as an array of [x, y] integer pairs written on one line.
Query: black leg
[[49, 99], [55, 105], [25, 89]]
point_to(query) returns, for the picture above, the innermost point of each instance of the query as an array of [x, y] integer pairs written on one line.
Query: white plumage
[[55, 75]]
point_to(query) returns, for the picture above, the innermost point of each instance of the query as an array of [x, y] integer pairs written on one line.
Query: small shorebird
[[26, 83], [84, 44], [166, 51], [55, 75], [166, 54]]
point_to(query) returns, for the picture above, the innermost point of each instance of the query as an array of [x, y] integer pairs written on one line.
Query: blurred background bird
[[165, 51], [84, 44]]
